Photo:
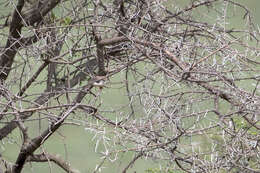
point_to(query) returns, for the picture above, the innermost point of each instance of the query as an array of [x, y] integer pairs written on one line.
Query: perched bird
[[98, 81]]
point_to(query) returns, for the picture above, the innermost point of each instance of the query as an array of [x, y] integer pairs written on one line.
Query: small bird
[[98, 81]]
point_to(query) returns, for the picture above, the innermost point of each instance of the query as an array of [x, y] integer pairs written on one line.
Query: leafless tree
[[191, 81]]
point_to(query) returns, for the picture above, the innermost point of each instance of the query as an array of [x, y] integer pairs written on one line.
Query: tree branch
[[6, 59], [37, 12], [46, 157], [29, 147]]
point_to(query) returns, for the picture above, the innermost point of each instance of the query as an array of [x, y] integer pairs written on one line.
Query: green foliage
[[66, 21], [241, 123], [53, 16]]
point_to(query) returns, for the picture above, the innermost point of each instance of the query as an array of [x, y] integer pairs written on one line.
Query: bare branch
[[46, 157]]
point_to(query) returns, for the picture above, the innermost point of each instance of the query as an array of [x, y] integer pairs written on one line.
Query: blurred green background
[[77, 145]]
